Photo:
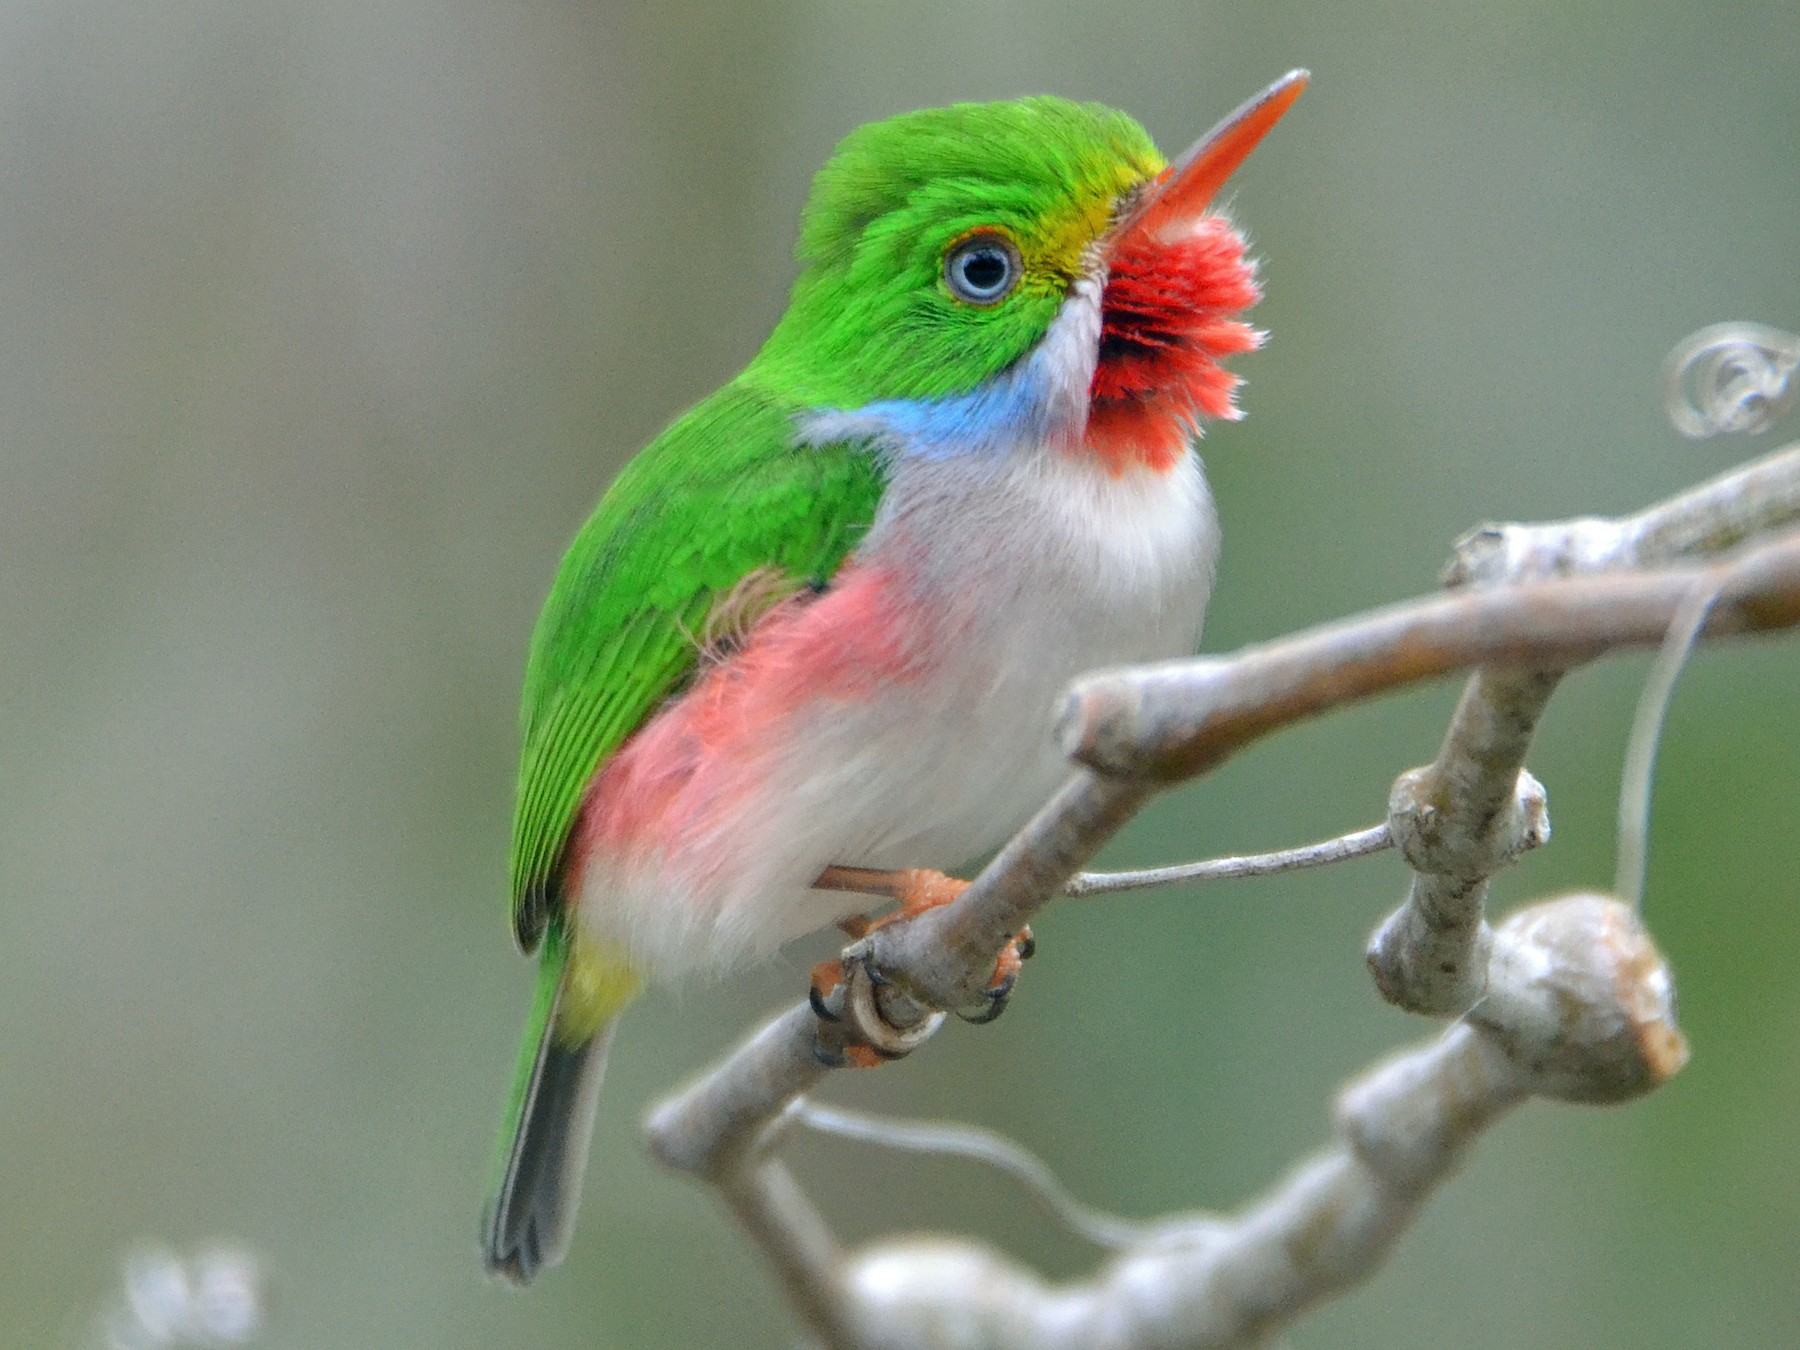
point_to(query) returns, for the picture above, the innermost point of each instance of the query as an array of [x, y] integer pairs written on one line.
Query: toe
[[922, 889], [1006, 970], [1005, 978], [827, 980], [998, 997]]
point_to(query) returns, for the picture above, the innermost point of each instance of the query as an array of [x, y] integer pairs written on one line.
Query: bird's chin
[[1137, 434]]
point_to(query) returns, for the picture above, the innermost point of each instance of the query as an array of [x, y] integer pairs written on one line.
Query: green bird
[[813, 634]]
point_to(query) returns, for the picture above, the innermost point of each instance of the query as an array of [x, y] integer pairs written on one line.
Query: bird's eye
[[982, 269]]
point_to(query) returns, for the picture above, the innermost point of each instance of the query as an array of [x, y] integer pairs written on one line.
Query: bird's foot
[[917, 890], [853, 1032], [999, 991]]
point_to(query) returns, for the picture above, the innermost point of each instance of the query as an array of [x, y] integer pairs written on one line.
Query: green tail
[[549, 1122]]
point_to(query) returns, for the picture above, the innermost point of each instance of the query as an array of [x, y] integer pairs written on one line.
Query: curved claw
[[998, 998], [838, 997], [1006, 978]]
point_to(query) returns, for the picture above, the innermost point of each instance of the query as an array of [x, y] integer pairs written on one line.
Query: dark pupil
[[985, 269]]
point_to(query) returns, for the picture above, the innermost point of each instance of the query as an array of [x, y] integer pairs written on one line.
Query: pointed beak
[[1183, 191]]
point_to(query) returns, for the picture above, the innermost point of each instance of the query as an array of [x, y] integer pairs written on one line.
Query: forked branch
[[1566, 999]]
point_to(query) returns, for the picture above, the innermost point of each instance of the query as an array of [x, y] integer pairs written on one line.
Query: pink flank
[[698, 760]]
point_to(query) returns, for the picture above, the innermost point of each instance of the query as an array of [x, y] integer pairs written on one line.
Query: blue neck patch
[[1016, 408]]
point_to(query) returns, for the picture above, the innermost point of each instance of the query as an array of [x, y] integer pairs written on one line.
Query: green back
[[720, 494]]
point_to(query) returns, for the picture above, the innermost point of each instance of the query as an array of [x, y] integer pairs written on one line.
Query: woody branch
[[1566, 999]]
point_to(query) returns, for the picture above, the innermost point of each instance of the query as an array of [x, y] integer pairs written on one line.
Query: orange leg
[[917, 889]]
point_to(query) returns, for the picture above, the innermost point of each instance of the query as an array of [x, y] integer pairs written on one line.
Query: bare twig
[[948, 1140], [1357, 844], [1750, 501], [1640, 750], [779, 1218], [1474, 809]]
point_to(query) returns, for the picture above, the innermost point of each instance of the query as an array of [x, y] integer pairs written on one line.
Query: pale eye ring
[[982, 269]]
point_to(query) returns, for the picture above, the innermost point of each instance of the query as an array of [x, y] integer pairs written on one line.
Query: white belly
[[1053, 567], [1038, 567]]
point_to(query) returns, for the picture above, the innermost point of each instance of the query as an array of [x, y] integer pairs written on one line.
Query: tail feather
[[556, 1087]]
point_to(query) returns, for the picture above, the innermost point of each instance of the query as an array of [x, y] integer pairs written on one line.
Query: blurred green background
[[324, 325]]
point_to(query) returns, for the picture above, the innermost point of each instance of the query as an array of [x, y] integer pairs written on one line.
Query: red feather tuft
[[1167, 319]]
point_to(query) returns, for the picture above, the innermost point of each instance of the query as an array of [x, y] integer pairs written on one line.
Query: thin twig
[[951, 1140], [1357, 844], [775, 1212], [1754, 500], [1640, 753]]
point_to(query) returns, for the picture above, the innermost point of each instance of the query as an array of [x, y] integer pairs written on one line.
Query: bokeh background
[[323, 324]]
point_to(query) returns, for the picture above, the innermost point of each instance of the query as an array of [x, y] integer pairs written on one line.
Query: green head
[[938, 249], [881, 309]]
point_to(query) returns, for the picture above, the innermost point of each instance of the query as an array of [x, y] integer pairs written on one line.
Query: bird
[[809, 643]]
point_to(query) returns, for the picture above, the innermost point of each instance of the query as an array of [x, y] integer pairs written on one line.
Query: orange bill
[[1183, 191]]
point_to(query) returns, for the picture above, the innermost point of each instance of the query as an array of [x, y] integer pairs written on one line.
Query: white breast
[[1030, 563], [1050, 566]]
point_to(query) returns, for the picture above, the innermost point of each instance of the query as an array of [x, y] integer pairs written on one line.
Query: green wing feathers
[[723, 493], [721, 507]]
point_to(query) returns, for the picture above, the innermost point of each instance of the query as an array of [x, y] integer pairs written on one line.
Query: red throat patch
[[1167, 317]]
